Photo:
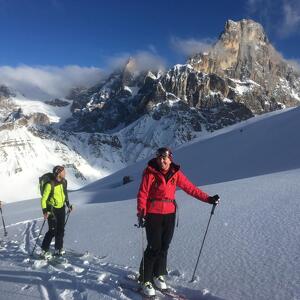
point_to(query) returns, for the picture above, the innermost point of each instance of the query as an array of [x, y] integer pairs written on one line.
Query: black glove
[[213, 199], [141, 219]]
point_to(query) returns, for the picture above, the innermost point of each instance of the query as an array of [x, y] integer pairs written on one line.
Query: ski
[[53, 259], [58, 260], [171, 293], [72, 253]]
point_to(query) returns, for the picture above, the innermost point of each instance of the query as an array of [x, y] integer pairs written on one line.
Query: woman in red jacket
[[156, 211]]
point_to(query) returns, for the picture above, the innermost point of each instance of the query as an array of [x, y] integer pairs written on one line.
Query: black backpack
[[43, 180]]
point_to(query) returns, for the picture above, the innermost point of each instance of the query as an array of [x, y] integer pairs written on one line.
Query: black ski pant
[[159, 231], [56, 224]]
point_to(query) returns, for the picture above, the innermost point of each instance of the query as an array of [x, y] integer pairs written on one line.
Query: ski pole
[[142, 225], [211, 213], [68, 214], [143, 249], [38, 237], [5, 232], [70, 208]]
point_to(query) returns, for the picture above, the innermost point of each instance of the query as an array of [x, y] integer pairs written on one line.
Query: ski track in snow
[[83, 276]]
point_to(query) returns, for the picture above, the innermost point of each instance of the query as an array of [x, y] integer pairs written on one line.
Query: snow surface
[[251, 250], [295, 95]]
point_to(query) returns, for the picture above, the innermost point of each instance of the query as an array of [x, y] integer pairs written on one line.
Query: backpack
[[43, 180]]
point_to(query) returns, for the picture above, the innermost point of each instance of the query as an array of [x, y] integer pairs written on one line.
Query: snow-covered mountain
[[125, 117], [32, 143], [240, 76], [252, 246]]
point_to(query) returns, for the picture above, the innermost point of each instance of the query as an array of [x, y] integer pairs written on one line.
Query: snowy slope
[[24, 157], [252, 248], [261, 145], [56, 114]]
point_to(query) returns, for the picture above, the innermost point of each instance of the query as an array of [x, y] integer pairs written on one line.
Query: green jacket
[[59, 197]]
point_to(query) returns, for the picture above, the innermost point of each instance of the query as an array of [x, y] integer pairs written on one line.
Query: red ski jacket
[[157, 190]]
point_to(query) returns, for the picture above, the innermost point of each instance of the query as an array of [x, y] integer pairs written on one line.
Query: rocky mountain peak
[[130, 65], [246, 29], [243, 52], [130, 73]]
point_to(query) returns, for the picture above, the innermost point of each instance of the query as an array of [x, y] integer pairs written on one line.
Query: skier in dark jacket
[[53, 206], [156, 210]]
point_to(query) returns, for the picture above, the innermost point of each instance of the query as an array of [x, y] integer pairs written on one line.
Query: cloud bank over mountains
[[44, 82]]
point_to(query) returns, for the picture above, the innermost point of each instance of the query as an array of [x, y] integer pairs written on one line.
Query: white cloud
[[191, 46], [291, 18], [295, 63], [279, 16], [143, 60], [44, 82], [265, 12]]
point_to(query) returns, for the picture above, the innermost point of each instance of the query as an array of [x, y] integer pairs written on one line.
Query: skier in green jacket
[[54, 200]]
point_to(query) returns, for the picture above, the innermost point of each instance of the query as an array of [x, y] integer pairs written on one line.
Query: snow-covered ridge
[[55, 114]]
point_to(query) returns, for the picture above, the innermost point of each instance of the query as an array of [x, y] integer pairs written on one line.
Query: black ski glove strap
[[213, 199]]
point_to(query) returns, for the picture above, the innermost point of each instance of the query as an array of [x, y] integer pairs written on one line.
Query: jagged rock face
[[244, 53], [115, 86], [6, 105], [111, 104], [197, 89], [190, 89]]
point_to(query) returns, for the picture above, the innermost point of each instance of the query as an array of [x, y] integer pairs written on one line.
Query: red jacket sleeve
[[190, 188], [143, 192]]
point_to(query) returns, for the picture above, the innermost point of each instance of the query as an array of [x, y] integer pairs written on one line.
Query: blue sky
[[100, 34]]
